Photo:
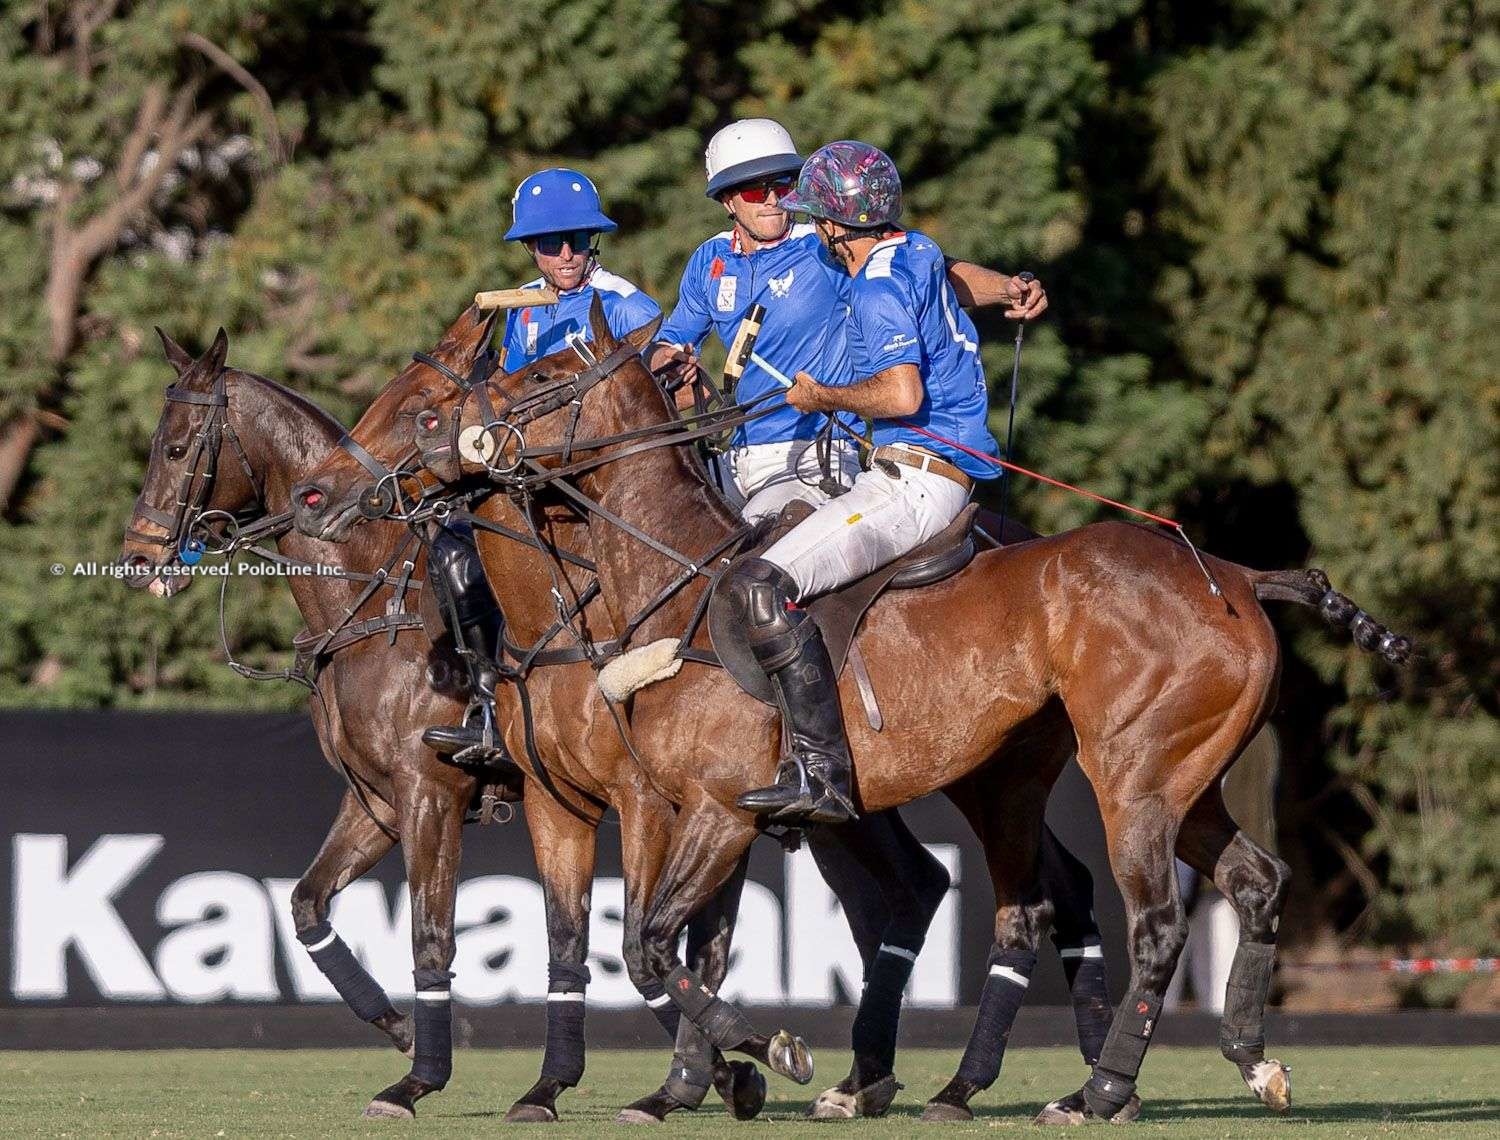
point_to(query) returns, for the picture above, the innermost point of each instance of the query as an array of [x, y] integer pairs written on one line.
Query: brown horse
[[373, 698], [1109, 628], [874, 857]]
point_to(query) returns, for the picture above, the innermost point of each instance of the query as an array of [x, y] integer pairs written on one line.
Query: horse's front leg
[[355, 843], [565, 848], [432, 815], [707, 845]]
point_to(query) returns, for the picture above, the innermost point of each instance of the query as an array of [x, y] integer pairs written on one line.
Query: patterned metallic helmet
[[853, 183]]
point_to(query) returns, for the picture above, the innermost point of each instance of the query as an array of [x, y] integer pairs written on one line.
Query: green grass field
[[1188, 1094]]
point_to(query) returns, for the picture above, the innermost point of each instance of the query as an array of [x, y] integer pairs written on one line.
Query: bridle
[[194, 490]]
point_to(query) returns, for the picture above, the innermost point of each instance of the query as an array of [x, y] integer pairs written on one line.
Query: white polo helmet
[[747, 150]]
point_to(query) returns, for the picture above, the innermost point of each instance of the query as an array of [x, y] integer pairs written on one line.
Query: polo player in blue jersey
[[913, 358], [557, 214], [763, 257]]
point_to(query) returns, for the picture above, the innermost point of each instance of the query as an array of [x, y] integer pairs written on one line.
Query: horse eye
[[176, 451]]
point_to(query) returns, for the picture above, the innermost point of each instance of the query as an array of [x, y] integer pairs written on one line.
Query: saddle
[[840, 612]]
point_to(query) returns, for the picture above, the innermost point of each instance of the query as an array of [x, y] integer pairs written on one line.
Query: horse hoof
[[941, 1112], [1068, 1110], [379, 1109], [789, 1055], [636, 1116], [530, 1114], [834, 1104], [842, 1103], [1271, 1081], [743, 1090], [1074, 1109]]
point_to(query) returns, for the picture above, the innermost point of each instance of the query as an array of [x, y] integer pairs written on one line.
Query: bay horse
[[1108, 628], [375, 694], [873, 856]]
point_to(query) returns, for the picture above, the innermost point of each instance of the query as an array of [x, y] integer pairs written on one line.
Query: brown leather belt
[[924, 461]]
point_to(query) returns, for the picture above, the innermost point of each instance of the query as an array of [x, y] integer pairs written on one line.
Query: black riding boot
[[469, 608], [475, 741], [813, 779]]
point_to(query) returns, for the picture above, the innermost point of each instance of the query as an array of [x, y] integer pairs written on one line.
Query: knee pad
[[760, 592], [454, 566]]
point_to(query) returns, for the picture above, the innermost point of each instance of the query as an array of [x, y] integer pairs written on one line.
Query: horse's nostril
[[312, 498]]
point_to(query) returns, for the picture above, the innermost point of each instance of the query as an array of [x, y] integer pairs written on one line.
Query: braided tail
[[1311, 588]]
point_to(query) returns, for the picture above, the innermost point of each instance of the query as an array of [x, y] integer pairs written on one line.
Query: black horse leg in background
[[890, 886]]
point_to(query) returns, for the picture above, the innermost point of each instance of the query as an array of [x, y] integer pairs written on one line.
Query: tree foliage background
[[1268, 228]]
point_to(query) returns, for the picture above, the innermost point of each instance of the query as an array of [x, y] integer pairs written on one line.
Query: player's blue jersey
[[805, 295], [903, 311], [541, 330]]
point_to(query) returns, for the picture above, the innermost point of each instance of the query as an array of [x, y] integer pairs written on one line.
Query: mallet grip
[[515, 298], [744, 345]]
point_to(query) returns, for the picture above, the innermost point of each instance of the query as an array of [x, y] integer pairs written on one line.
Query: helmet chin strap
[[745, 231]]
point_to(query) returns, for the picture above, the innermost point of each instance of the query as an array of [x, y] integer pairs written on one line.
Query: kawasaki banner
[[151, 858]]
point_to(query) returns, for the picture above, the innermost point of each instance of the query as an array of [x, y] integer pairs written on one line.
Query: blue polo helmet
[[554, 201]]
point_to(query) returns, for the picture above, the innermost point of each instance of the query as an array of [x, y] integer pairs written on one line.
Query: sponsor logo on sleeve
[[899, 341]]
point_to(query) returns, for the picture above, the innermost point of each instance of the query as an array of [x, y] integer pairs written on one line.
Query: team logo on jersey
[[781, 286], [533, 330], [727, 288]]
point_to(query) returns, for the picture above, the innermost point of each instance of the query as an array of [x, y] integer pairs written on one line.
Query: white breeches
[[855, 534], [761, 478]]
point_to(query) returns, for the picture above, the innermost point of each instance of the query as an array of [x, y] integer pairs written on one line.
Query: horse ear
[[604, 340], [177, 356], [214, 357], [641, 337]]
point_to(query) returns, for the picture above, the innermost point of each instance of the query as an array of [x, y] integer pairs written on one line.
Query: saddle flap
[[838, 614]]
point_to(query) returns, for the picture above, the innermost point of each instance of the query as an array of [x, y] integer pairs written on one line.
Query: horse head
[[185, 481], [366, 473], [548, 411]]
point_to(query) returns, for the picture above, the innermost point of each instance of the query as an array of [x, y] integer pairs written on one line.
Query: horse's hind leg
[[355, 843], [565, 848], [707, 844], [1009, 825], [890, 887], [1075, 933], [1255, 882], [432, 816]]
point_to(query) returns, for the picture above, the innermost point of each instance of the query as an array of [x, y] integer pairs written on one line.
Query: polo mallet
[[1010, 427]]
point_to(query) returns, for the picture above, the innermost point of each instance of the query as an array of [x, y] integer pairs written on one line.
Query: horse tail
[[1311, 588]]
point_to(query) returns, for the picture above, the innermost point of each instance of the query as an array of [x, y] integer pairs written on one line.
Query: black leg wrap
[[692, 1066], [1084, 967], [723, 1024], [1113, 1082], [337, 962], [661, 1007], [874, 1033], [434, 1016], [563, 1059], [1242, 1031], [1004, 990]]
